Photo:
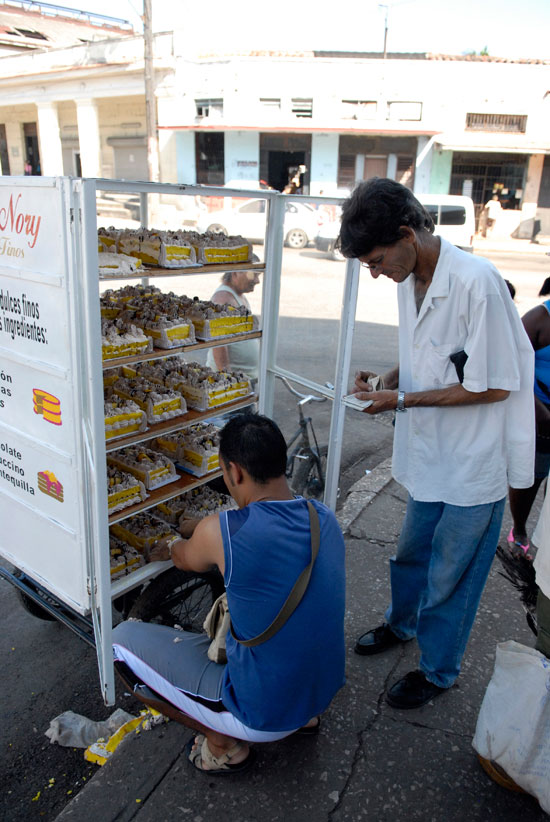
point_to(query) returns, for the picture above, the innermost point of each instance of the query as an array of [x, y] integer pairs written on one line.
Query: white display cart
[[53, 488]]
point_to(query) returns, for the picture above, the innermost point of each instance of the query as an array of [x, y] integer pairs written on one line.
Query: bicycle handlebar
[[306, 397]]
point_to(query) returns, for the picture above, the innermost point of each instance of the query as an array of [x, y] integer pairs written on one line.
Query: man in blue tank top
[[281, 686]]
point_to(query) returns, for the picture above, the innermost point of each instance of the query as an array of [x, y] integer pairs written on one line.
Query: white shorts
[[175, 665]]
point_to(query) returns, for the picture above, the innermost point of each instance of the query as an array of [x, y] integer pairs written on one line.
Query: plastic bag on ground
[[77, 731], [513, 726]]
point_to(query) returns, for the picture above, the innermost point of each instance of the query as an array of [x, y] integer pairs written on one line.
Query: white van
[[453, 216]]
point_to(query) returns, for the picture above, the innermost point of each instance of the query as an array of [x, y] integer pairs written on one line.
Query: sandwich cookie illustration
[[47, 406]]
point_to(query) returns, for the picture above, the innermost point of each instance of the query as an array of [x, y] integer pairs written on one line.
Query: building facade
[[324, 120]]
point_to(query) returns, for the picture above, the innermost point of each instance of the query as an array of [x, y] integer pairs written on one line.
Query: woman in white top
[[240, 356]]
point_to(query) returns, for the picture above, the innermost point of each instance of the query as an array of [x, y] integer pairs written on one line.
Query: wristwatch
[[400, 401]]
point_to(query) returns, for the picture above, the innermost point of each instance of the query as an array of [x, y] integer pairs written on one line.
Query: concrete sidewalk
[[508, 245], [369, 762]]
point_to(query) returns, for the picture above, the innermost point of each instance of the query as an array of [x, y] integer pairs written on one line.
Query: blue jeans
[[443, 559]]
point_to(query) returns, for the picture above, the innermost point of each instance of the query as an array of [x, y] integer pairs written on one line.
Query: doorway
[[283, 166], [283, 157], [32, 153]]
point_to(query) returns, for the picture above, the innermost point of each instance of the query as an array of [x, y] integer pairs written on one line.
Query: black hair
[[374, 213], [545, 288], [511, 288], [256, 444]]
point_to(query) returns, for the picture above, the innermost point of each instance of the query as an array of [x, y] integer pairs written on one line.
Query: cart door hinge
[[89, 587]]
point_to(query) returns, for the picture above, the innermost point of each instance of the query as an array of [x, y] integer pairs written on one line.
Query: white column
[[392, 166], [88, 137], [187, 171], [530, 197], [324, 164], [359, 167], [51, 155], [242, 159], [423, 164]]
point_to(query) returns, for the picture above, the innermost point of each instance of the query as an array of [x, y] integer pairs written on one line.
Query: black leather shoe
[[412, 691], [377, 640]]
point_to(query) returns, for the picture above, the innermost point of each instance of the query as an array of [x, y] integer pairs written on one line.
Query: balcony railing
[[515, 123]]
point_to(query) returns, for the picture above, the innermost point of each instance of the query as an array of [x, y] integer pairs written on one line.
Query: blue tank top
[[542, 368], [283, 683]]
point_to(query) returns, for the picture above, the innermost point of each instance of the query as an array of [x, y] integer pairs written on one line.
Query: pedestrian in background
[[537, 325], [464, 426], [491, 210], [244, 355]]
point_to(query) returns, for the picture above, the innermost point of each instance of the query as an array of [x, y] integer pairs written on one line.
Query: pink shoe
[[513, 542]]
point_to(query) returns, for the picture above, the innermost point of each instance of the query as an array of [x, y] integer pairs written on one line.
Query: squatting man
[[464, 426], [266, 692]]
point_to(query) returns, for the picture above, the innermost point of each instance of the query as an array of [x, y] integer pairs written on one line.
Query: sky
[[507, 28]]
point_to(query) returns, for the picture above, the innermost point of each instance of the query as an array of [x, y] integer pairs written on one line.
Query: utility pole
[[150, 102], [383, 6]]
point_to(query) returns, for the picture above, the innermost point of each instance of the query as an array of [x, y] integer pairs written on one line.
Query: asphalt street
[[48, 670]]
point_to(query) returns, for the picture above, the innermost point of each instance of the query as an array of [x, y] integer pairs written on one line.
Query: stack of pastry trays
[[169, 249], [200, 386], [136, 317], [195, 449], [124, 558], [131, 540], [195, 504], [147, 466], [153, 392], [123, 489]]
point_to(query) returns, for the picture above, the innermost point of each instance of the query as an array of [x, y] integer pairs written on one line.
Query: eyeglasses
[[376, 265]]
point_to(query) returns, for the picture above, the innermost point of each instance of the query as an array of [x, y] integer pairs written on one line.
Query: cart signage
[[39, 477], [37, 403], [33, 321], [40, 458], [45, 550], [30, 229]]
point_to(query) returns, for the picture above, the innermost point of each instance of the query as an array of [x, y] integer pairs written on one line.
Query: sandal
[[514, 544], [217, 765], [310, 730]]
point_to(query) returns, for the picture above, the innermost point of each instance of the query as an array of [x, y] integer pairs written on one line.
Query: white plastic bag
[[513, 726], [77, 731]]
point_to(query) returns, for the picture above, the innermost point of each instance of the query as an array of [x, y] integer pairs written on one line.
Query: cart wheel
[[178, 598], [306, 480], [29, 604]]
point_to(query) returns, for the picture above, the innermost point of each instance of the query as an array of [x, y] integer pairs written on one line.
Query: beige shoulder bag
[[218, 620]]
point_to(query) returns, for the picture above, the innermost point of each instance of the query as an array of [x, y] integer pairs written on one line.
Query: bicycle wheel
[[30, 605], [178, 598], [307, 480]]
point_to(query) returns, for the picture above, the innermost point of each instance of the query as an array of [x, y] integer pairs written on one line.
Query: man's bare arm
[[198, 553], [452, 396], [221, 357], [221, 354]]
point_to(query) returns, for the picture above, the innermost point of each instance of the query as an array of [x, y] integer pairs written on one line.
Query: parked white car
[[248, 219], [453, 216]]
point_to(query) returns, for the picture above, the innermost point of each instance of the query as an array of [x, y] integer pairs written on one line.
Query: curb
[[362, 493], [484, 246]]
